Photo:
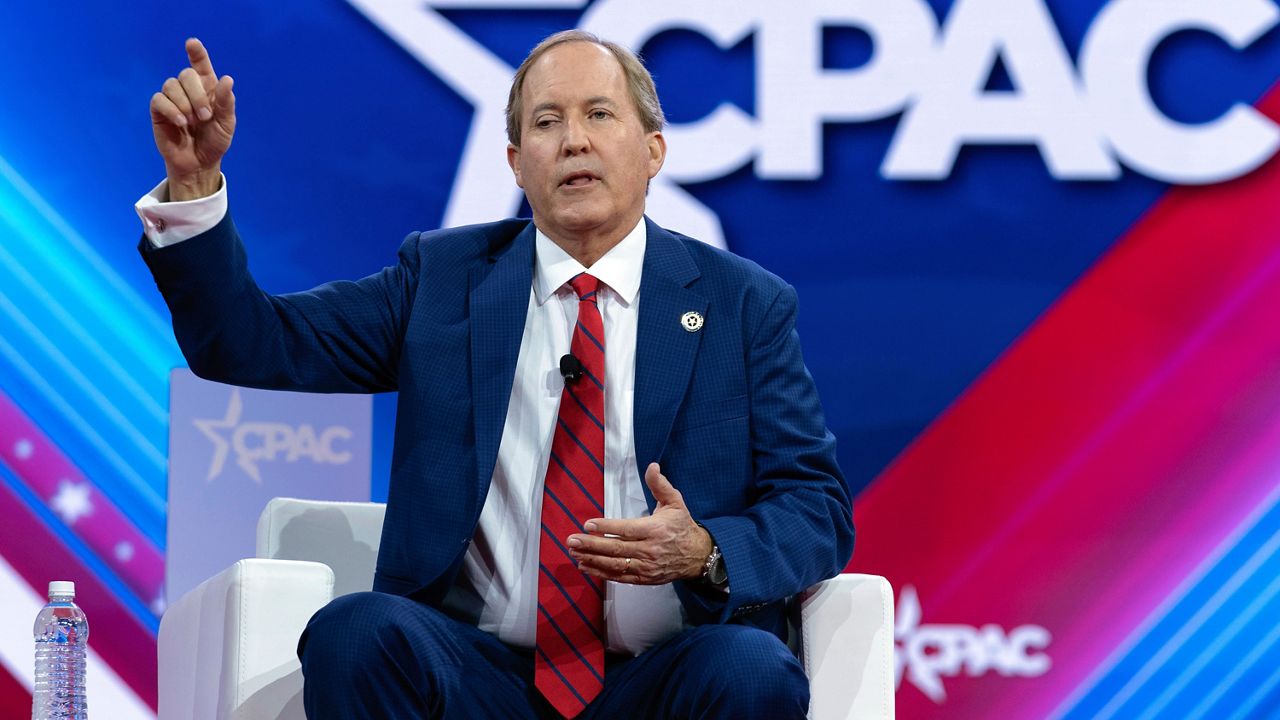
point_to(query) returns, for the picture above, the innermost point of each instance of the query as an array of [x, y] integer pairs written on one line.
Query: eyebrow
[[597, 100]]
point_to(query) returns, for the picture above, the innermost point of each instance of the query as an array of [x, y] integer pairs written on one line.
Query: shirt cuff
[[167, 223]]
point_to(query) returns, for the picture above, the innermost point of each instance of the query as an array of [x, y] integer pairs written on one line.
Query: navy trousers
[[379, 656]]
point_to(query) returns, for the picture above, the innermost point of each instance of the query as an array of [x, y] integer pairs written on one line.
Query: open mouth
[[578, 179]]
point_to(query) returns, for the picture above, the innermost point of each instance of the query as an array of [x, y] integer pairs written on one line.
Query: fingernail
[[181, 121], [574, 542], [204, 113], [590, 527]]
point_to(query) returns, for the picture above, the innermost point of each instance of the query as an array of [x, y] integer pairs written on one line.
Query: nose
[[575, 140]]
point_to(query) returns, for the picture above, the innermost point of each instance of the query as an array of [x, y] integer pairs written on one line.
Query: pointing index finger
[[200, 62]]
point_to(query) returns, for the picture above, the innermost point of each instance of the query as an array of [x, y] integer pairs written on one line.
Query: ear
[[657, 152], [513, 159]]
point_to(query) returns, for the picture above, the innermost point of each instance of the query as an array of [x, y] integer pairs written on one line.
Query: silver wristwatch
[[713, 572]]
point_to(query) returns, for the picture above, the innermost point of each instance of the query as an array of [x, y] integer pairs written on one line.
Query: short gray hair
[[639, 82]]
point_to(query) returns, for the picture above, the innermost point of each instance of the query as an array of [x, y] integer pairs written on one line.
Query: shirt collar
[[619, 269]]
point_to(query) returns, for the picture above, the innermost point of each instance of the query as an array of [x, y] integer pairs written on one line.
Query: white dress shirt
[[498, 587]]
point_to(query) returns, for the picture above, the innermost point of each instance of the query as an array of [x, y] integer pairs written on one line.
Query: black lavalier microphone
[[571, 369]]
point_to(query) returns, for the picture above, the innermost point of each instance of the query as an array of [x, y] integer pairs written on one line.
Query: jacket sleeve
[[343, 336], [799, 530]]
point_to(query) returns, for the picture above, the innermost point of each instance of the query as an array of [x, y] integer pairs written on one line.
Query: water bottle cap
[[62, 587]]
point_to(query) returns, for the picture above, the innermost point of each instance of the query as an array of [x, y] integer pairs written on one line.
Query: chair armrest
[[846, 635], [227, 648], [342, 535]]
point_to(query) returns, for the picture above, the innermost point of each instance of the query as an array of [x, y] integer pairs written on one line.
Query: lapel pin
[[691, 321]]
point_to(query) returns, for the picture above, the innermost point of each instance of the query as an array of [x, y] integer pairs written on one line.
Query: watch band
[[713, 571]]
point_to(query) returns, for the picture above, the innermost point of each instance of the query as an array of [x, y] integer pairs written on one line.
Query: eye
[[598, 114], [543, 123]]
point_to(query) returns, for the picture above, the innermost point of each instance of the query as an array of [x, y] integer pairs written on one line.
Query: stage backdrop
[[1036, 244]]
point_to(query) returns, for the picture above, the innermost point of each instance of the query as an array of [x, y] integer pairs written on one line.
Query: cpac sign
[[928, 653], [255, 442], [1086, 121], [1081, 122]]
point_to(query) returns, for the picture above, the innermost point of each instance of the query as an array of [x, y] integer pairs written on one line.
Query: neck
[[587, 246]]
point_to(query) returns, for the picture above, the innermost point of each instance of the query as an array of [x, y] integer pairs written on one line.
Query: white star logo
[[72, 501], [483, 189], [212, 429], [906, 623], [926, 653], [124, 551]]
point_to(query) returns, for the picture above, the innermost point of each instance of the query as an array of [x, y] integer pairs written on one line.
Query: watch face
[[716, 575]]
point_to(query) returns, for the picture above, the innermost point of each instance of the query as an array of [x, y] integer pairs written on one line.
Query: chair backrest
[[342, 535]]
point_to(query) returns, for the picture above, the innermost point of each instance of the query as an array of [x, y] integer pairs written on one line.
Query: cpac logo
[[928, 653], [256, 442], [1086, 120]]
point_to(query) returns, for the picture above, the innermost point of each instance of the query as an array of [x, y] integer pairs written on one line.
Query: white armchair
[[227, 648]]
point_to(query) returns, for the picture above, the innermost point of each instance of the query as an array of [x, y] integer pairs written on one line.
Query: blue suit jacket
[[729, 411]]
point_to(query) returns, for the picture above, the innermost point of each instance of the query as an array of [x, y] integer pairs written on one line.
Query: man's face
[[584, 159]]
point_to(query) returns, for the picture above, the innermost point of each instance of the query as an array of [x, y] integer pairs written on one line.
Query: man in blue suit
[[565, 535]]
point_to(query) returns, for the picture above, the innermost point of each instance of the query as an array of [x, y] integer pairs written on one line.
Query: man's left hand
[[668, 545]]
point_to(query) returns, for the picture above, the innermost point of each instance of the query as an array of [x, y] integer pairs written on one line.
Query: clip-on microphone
[[571, 369]]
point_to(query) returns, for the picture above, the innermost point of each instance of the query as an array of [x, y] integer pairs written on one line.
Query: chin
[[581, 220]]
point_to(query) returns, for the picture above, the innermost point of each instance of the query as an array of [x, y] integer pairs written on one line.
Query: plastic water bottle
[[62, 639]]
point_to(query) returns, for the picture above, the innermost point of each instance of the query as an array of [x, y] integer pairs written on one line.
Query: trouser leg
[[711, 671], [377, 656]]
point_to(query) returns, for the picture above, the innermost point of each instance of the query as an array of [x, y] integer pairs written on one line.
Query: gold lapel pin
[[691, 321]]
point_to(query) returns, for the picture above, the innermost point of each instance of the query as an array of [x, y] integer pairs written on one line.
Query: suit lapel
[[499, 306], [664, 349]]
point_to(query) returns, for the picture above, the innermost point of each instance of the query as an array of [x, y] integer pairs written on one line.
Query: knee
[[353, 629], [360, 658], [751, 671]]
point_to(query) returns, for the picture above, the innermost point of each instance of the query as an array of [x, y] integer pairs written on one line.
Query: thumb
[[663, 491]]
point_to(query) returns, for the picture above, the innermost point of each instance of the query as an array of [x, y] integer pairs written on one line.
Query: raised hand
[[193, 118], [668, 545]]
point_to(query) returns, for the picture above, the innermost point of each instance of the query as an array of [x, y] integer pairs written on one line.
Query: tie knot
[[585, 285]]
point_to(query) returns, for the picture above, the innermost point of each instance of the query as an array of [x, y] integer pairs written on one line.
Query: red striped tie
[[570, 635]]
